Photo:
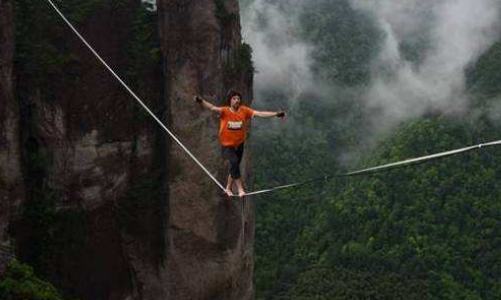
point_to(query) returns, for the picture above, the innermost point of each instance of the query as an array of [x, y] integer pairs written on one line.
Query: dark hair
[[230, 95]]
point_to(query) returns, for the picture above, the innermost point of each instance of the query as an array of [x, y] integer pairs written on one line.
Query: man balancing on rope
[[233, 132]]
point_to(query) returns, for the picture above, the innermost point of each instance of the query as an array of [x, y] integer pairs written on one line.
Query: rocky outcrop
[[209, 239], [11, 191], [94, 194], [90, 158]]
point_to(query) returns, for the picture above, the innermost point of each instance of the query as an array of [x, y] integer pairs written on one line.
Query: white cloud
[[447, 35], [457, 32], [281, 58]]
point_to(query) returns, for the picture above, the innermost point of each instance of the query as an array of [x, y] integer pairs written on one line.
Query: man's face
[[235, 101]]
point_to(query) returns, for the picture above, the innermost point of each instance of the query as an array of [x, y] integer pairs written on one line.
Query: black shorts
[[234, 155]]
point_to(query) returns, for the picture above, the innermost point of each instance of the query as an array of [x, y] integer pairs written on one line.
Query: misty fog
[[423, 50]]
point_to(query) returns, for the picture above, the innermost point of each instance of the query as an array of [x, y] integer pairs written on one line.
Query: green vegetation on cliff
[[21, 282], [40, 52], [241, 62], [222, 13]]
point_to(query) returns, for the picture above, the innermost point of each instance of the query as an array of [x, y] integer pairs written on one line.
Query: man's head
[[234, 99]]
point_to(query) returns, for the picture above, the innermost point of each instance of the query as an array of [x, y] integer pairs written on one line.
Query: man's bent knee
[[235, 173]]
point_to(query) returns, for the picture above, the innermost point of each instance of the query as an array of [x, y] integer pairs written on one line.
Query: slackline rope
[[133, 94], [378, 168], [286, 186]]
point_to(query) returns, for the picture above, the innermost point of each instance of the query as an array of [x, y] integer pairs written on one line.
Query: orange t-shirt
[[233, 125]]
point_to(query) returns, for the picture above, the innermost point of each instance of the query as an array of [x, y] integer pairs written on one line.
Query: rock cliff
[[93, 193], [209, 239], [11, 188]]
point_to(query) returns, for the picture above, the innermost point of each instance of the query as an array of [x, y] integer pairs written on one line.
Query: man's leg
[[230, 154], [229, 185], [234, 155], [239, 151], [240, 187]]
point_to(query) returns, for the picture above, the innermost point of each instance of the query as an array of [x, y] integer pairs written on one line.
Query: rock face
[[11, 190], [209, 239], [86, 154], [93, 193]]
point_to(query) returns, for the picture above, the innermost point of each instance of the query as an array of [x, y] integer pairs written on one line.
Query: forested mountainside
[[431, 231], [95, 198]]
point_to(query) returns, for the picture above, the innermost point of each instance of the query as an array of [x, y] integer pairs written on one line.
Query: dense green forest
[[431, 231]]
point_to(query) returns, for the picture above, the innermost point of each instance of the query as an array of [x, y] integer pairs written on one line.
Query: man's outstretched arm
[[207, 104], [269, 114]]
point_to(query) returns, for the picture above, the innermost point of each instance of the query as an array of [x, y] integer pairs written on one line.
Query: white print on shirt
[[235, 125]]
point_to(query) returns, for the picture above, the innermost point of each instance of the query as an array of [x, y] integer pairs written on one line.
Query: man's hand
[[206, 104], [280, 114]]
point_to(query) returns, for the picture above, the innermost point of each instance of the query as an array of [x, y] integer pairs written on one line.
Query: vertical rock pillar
[[209, 238], [11, 191]]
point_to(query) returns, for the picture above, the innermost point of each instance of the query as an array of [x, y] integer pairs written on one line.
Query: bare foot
[[228, 193], [241, 193]]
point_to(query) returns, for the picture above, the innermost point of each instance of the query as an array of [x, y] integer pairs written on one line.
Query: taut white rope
[[133, 94], [380, 168]]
